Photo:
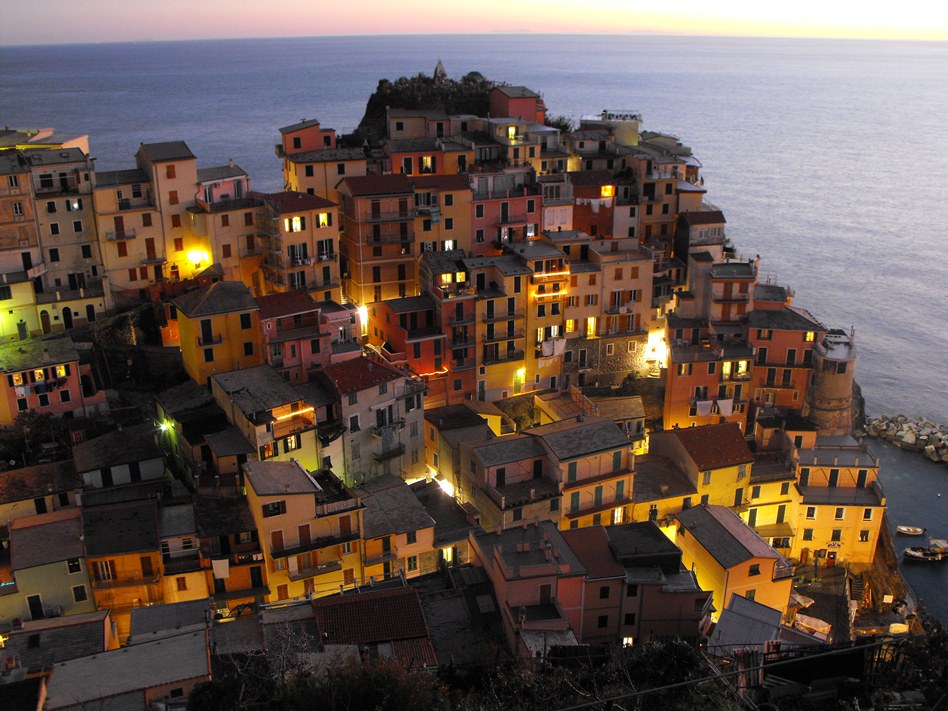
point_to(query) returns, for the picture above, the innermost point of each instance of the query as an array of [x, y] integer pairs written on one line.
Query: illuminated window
[[460, 276], [607, 191], [741, 367], [294, 224], [591, 326], [325, 219], [427, 163], [446, 278], [39, 375], [570, 325], [511, 132], [61, 371], [18, 378], [810, 336]]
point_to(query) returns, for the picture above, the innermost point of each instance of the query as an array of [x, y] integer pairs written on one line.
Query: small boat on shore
[[910, 530], [924, 553]]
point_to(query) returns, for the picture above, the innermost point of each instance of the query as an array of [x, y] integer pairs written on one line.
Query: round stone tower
[[830, 395]]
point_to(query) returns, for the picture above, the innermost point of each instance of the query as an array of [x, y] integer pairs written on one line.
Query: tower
[[829, 397]]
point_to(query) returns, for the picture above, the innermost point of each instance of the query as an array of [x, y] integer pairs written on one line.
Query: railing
[[398, 216], [327, 257], [503, 357], [119, 235], [214, 339], [379, 432], [390, 239], [154, 259], [127, 581], [460, 320], [544, 278], [314, 570], [182, 564], [513, 219], [382, 557], [135, 203], [301, 261], [504, 336], [505, 316], [386, 454]]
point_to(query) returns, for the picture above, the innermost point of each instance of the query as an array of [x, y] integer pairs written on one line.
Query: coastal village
[[471, 382]]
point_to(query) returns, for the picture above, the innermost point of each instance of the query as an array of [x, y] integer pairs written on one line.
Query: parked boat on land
[[910, 530]]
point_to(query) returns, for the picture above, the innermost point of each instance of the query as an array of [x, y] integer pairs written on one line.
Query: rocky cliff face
[[433, 93]]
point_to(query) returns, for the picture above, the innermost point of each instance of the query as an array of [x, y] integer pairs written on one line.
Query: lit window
[[607, 191], [61, 371], [810, 336], [39, 374], [446, 278], [18, 378], [324, 220]]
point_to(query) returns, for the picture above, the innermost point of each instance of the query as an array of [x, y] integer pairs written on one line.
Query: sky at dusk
[[68, 21]]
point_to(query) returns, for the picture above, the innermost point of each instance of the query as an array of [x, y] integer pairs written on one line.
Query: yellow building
[[841, 501], [310, 527], [122, 553], [729, 558], [442, 212], [219, 328]]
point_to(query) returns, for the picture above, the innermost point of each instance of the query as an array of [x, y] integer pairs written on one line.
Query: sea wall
[[920, 435]]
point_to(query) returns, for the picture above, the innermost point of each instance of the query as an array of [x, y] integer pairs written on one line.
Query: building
[[123, 553], [47, 377], [38, 489], [272, 419], [219, 327], [383, 410], [183, 575], [48, 565], [731, 559], [310, 525], [295, 339], [125, 456]]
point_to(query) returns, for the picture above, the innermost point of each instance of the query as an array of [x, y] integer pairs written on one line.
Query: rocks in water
[[920, 435]]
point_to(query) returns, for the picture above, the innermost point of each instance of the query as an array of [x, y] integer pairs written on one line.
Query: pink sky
[[62, 21]]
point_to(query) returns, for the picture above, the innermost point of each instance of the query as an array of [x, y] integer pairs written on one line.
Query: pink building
[[46, 377], [295, 340]]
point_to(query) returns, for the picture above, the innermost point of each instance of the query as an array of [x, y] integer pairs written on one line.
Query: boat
[[910, 530], [926, 553]]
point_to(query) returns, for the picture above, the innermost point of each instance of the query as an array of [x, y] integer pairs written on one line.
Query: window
[[51, 206], [176, 220], [54, 229], [412, 563], [755, 492], [64, 396], [603, 621], [169, 171], [448, 200], [245, 321], [173, 197], [706, 478], [840, 513], [518, 514], [353, 398], [208, 355], [837, 534], [73, 565], [122, 249], [181, 583], [807, 534], [54, 254], [412, 537], [225, 220], [18, 209], [274, 508], [146, 219], [248, 348], [383, 388], [785, 488], [340, 168], [811, 512], [449, 223], [867, 514], [754, 569], [751, 594], [571, 472], [44, 400], [13, 181], [79, 593], [354, 423]]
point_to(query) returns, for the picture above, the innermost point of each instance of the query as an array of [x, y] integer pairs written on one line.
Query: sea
[[825, 156]]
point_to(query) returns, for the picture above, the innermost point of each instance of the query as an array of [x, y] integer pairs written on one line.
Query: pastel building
[[219, 327], [731, 559], [295, 339], [310, 527], [313, 163], [47, 377]]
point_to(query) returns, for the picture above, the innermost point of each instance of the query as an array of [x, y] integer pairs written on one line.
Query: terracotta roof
[[591, 177], [360, 374], [377, 616], [39, 480], [714, 446], [517, 92], [292, 201], [591, 546], [366, 185], [285, 303], [441, 182], [219, 172], [705, 217]]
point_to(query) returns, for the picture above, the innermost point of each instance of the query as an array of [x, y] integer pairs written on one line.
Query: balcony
[[383, 557], [394, 238], [331, 566], [547, 277], [301, 261], [130, 581], [135, 203], [520, 218], [398, 216], [36, 270], [462, 342], [459, 366], [380, 432], [493, 359], [390, 453], [187, 563], [291, 425], [504, 336], [69, 187], [327, 257], [730, 298], [505, 316], [119, 235], [314, 544], [461, 320], [154, 259], [210, 339]]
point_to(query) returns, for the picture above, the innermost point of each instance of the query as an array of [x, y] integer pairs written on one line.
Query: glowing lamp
[[195, 256]]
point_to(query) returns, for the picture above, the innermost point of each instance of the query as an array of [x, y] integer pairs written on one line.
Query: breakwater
[[920, 435]]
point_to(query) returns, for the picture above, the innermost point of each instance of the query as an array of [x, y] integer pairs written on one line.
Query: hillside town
[[481, 382]]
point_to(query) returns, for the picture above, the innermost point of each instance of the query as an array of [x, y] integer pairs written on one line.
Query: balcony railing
[[119, 235], [503, 336], [491, 359], [397, 216], [212, 339], [386, 454], [182, 563], [505, 316], [127, 581]]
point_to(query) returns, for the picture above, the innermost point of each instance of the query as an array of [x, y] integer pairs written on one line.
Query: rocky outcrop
[[919, 434]]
